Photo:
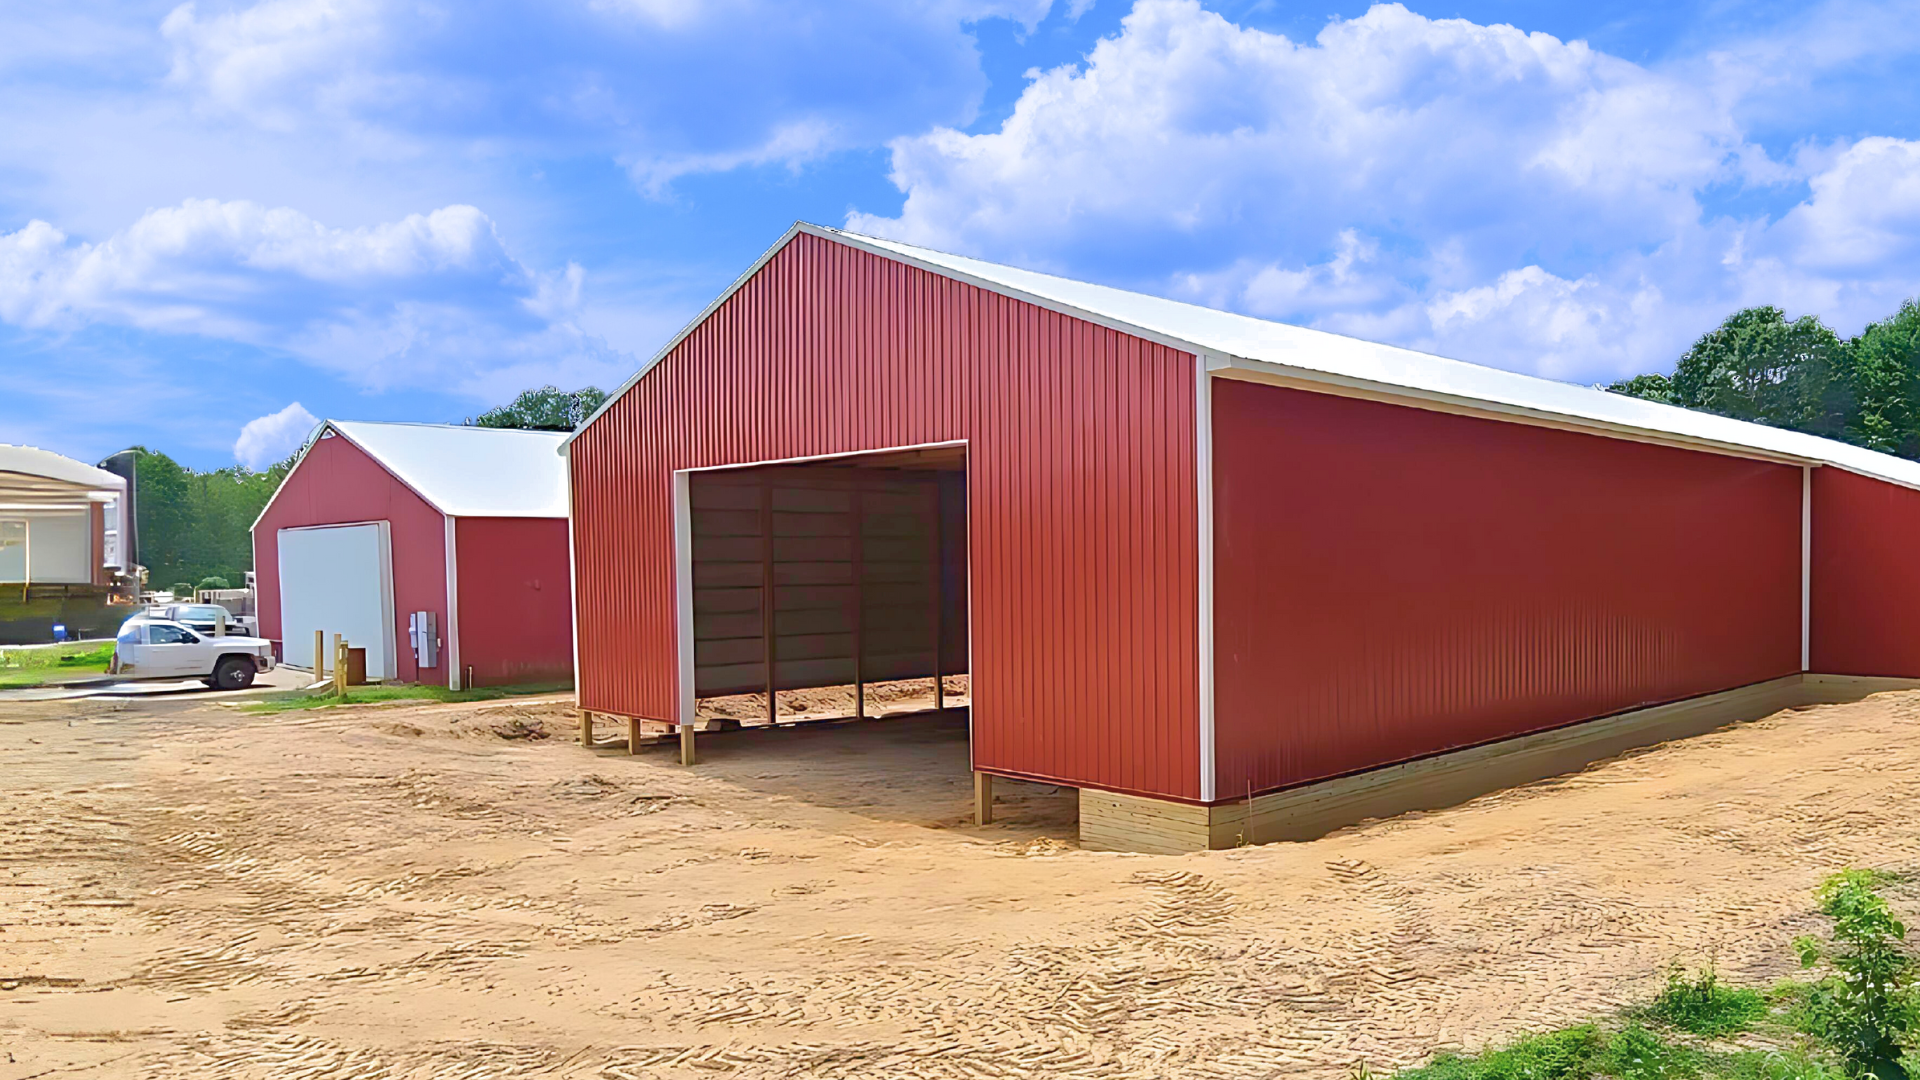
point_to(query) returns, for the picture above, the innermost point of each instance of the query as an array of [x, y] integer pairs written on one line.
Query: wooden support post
[[859, 602], [766, 612], [319, 655], [686, 744], [340, 666], [586, 729], [982, 798], [633, 735], [939, 605]]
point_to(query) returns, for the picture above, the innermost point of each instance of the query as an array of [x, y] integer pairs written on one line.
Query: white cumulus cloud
[[1498, 195], [431, 300], [667, 87], [270, 438]]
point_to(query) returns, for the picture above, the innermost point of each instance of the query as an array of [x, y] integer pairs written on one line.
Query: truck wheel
[[234, 673]]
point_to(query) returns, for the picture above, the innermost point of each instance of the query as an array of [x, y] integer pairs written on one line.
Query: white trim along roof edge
[[450, 504], [1266, 351]]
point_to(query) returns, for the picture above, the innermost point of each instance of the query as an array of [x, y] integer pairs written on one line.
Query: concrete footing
[[1110, 821]]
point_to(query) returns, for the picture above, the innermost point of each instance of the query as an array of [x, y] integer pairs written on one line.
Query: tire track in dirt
[[327, 900]]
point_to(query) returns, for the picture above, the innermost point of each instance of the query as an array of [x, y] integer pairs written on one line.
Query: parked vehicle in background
[[203, 618], [240, 602], [150, 648]]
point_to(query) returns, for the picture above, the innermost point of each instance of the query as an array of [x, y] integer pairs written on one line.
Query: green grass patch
[[52, 663], [1790, 1064], [1568, 1054], [293, 700], [1702, 1005], [1859, 1021], [1635, 1053]]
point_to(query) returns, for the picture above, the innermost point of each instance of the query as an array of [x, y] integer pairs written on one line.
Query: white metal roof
[[470, 471], [42, 479], [1241, 345], [467, 471]]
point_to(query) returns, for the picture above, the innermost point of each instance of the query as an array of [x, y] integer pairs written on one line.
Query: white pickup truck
[[158, 649]]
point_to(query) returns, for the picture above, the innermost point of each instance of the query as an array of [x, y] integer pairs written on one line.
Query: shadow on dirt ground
[[913, 768]]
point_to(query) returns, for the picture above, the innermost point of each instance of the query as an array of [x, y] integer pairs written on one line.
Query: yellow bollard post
[[319, 655], [340, 667]]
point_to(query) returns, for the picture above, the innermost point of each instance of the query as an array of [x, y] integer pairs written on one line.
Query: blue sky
[[218, 220]]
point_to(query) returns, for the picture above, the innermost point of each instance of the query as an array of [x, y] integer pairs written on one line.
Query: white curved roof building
[[60, 519]]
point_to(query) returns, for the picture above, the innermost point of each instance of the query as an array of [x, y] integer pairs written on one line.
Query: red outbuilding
[[1232, 579], [440, 549]]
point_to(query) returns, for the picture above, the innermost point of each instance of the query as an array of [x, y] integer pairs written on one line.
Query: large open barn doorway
[[829, 589]]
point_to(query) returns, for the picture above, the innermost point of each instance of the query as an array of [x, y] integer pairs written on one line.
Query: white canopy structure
[[48, 533]]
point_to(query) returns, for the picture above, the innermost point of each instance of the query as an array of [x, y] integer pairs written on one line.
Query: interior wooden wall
[[865, 568]]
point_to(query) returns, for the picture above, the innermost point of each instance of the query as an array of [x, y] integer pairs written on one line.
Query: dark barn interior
[[849, 573]]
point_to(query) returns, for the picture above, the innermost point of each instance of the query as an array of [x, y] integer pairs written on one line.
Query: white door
[[338, 579]]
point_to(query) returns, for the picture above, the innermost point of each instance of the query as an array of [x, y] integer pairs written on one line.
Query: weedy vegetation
[[1860, 1020], [1702, 1005], [1866, 1009]]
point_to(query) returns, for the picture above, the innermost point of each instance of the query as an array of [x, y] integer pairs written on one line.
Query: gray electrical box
[[423, 630]]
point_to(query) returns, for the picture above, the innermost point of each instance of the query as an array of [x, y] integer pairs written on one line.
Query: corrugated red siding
[[337, 484], [1393, 582], [516, 622], [1081, 463], [1866, 576]]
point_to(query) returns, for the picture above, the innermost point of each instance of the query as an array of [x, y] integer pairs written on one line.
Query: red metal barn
[[378, 525], [1232, 579]]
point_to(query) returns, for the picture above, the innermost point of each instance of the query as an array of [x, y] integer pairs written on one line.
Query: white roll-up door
[[338, 579]]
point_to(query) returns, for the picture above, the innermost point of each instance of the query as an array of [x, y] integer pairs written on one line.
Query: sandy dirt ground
[[434, 891], [882, 699]]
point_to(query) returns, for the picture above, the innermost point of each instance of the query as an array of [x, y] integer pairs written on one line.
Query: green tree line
[[1798, 374], [193, 526]]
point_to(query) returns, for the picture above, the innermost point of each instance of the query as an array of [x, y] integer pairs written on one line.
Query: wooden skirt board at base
[[1111, 821]]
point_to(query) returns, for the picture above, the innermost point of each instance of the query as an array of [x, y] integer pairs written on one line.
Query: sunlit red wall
[[516, 625], [1866, 576], [338, 484], [1082, 498], [1394, 582]]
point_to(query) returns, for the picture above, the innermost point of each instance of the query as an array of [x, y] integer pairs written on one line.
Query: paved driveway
[[100, 687]]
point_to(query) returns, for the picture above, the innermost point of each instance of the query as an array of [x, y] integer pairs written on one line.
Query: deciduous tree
[[547, 408]]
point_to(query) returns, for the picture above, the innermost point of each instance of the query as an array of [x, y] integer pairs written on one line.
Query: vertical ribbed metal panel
[[515, 625], [1081, 473], [1866, 578], [1393, 582]]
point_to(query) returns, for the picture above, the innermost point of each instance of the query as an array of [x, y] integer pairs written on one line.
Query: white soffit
[[470, 471]]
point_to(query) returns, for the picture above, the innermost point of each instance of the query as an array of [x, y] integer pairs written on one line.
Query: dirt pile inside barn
[[203, 893], [892, 698]]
